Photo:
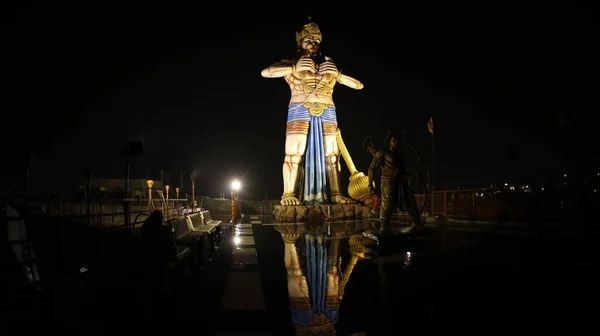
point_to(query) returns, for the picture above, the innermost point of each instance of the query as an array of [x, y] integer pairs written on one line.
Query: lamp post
[[167, 205], [193, 178], [235, 186], [177, 198], [150, 183]]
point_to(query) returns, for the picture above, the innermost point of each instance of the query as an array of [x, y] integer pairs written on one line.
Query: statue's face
[[393, 143], [311, 44]]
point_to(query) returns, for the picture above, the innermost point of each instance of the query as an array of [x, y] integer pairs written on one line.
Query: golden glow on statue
[[309, 29], [311, 87], [315, 109]]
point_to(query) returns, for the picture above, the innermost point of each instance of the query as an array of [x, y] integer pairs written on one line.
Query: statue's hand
[[328, 67], [367, 141], [305, 63]]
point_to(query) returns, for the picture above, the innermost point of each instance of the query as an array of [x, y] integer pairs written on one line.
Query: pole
[[177, 203], [127, 184], [25, 217], [167, 187], [6, 250], [232, 207], [193, 195], [88, 193], [432, 171], [181, 187]]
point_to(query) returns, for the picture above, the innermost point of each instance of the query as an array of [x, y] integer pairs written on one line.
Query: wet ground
[[453, 280], [450, 280]]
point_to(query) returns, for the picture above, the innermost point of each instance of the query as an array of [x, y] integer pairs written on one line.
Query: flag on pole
[[430, 125]]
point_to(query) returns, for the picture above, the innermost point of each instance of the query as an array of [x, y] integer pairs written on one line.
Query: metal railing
[[481, 203], [107, 213]]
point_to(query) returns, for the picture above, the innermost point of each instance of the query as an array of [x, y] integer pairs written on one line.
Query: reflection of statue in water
[[315, 298], [358, 251], [311, 122], [394, 183]]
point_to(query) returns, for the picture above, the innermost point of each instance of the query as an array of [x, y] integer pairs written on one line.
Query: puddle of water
[[346, 276]]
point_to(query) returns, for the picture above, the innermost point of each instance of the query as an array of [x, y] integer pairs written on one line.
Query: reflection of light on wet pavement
[[408, 258], [236, 237], [243, 284]]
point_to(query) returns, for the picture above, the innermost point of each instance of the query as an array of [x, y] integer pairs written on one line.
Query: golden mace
[[358, 188]]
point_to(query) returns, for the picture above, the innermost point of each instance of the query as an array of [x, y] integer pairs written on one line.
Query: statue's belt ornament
[[315, 108]]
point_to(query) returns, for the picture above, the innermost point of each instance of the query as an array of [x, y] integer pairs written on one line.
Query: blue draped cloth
[[315, 171]]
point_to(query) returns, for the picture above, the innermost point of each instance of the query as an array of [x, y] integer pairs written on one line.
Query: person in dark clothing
[[157, 248]]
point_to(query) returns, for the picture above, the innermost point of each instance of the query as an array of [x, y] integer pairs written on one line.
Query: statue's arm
[[279, 69], [369, 145], [376, 162], [372, 149], [349, 81]]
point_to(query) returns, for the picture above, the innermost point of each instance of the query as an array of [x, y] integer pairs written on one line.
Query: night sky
[[186, 81]]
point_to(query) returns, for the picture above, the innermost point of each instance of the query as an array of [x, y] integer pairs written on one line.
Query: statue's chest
[[392, 162], [308, 82], [390, 159], [307, 77]]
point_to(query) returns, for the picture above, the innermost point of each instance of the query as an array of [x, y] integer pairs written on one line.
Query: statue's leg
[[295, 145], [332, 160], [387, 205], [409, 203]]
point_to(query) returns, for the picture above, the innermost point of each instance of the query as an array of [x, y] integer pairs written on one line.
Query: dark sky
[[186, 81]]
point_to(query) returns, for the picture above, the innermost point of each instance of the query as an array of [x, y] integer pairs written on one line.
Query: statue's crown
[[309, 29]]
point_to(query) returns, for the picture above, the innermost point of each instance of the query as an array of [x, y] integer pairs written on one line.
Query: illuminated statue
[[311, 122], [394, 183]]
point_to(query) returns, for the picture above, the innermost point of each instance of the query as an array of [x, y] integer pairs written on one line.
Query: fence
[[106, 213], [111, 213], [483, 203]]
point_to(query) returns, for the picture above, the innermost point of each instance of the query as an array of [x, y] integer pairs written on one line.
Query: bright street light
[[235, 186]]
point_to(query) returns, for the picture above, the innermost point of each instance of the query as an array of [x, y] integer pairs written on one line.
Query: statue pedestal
[[299, 213]]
